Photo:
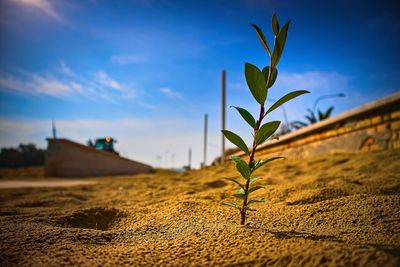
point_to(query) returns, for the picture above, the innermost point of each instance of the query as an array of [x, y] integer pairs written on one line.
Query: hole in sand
[[341, 161], [216, 184], [97, 218]]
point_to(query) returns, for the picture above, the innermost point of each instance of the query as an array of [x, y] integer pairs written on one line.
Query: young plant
[[259, 83]]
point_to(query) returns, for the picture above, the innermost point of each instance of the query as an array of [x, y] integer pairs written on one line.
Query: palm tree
[[313, 118]]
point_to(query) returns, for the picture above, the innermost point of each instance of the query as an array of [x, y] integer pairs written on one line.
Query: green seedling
[[259, 83]]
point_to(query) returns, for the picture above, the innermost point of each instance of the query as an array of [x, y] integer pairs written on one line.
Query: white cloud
[[147, 105], [34, 84], [64, 69], [65, 82], [170, 93], [128, 59], [76, 86], [44, 6], [104, 79], [312, 80], [318, 81]]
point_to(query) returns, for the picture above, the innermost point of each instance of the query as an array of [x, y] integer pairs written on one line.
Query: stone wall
[[69, 159], [371, 127]]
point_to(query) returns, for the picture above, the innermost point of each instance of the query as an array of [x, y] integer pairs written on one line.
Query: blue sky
[[146, 71]]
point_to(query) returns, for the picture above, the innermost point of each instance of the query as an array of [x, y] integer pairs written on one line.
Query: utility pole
[[172, 160], [159, 160], [205, 139], [223, 88], [190, 158], [166, 159]]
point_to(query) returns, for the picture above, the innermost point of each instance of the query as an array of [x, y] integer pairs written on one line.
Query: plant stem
[[243, 211], [251, 160]]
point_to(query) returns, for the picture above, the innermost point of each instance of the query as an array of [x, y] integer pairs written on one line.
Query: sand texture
[[337, 210]]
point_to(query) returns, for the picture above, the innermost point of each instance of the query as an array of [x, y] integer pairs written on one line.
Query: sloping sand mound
[[338, 210], [97, 218]]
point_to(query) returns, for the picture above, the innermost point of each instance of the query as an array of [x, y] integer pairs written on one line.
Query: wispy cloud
[[66, 82], [319, 81], [128, 59], [64, 69], [44, 6], [170, 93], [36, 84], [104, 79], [312, 80]]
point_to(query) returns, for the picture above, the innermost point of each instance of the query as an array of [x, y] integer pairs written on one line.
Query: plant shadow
[[296, 234]]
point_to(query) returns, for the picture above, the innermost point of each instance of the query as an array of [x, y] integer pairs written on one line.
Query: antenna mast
[[53, 126]]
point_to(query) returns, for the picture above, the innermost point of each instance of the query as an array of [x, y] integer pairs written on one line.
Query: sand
[[336, 210], [43, 183]]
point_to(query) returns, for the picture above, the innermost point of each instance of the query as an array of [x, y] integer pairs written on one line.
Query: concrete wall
[[372, 127], [69, 159]]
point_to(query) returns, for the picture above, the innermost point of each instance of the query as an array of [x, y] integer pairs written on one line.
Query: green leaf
[[253, 180], [262, 38], [256, 82], [285, 99], [263, 162], [320, 115], [311, 118], [246, 116], [256, 200], [250, 209], [280, 44], [275, 24], [255, 163], [254, 188], [328, 112], [236, 140], [243, 169], [298, 124], [266, 131], [231, 205], [236, 182], [240, 193], [274, 74], [236, 158]]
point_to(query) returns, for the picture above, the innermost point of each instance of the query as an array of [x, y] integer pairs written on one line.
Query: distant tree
[[313, 118], [90, 143], [24, 155]]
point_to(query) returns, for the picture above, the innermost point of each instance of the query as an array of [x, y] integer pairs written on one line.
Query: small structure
[[104, 144], [67, 158]]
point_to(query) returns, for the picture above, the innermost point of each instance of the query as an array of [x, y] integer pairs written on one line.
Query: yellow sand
[[338, 210]]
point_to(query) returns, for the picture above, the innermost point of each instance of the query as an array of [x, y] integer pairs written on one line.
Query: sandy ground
[[43, 183], [338, 210]]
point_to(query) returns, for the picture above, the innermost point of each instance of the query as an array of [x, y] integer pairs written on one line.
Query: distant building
[[69, 159]]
